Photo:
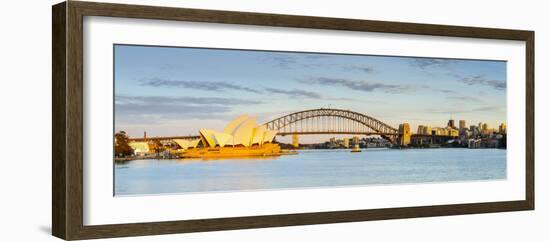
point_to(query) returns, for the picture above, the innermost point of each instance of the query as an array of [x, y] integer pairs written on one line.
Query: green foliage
[[122, 148]]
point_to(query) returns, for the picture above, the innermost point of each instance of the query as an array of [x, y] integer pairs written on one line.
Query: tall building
[[451, 123], [355, 140], [462, 124], [420, 130], [427, 130], [474, 130], [484, 127], [502, 128]]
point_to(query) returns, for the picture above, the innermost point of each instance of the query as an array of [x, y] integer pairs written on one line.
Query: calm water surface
[[310, 168]]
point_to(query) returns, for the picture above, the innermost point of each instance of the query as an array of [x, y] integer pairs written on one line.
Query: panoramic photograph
[[197, 120]]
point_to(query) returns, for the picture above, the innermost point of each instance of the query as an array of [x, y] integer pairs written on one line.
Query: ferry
[[356, 148]]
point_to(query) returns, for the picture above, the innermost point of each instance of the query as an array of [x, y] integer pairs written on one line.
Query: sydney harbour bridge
[[325, 121], [331, 121]]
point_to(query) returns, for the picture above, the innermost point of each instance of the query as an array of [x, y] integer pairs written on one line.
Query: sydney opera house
[[240, 138]]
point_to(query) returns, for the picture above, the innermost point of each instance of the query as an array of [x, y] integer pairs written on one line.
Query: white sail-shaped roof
[[269, 136], [258, 136], [208, 136], [230, 128], [182, 143], [222, 138], [194, 143], [243, 133], [186, 144]]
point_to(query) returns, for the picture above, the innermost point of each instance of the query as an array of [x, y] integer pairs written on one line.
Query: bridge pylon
[[404, 137], [295, 141]]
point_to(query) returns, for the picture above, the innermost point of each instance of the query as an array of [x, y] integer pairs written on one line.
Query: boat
[[356, 148]]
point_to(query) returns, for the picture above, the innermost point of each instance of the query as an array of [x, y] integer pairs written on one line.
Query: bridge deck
[[335, 133], [162, 138]]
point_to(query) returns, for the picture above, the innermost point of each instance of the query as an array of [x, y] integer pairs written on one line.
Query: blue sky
[[176, 91]]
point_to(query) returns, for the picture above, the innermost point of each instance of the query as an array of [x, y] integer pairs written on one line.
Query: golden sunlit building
[[241, 137], [502, 128], [462, 124], [186, 144], [453, 132], [424, 130], [140, 147]]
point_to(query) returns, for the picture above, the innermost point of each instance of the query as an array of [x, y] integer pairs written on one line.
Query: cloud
[[359, 85], [424, 63], [479, 109], [444, 91], [199, 85], [317, 56], [282, 61], [292, 61], [465, 98], [144, 107], [365, 69], [295, 93], [490, 108], [123, 99], [482, 80]]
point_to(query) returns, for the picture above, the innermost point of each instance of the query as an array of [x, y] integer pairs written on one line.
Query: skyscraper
[[451, 123], [502, 128], [462, 124]]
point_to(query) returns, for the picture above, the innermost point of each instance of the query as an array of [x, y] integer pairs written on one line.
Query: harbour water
[[310, 168]]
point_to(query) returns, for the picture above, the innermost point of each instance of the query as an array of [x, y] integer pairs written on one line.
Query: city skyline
[[176, 91]]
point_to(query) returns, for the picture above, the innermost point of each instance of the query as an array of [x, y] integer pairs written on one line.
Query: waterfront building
[[438, 131], [462, 124], [451, 123], [346, 142], [452, 132], [474, 130], [241, 137], [242, 131], [489, 143], [427, 130], [424, 130], [447, 131], [356, 140], [464, 134], [474, 143], [140, 147], [420, 130], [186, 144]]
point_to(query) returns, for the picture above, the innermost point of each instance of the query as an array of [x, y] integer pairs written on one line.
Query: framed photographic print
[[171, 120]]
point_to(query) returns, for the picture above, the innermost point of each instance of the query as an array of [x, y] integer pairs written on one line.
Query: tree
[[157, 146], [121, 145]]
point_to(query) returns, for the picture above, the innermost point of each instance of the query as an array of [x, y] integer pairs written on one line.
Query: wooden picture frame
[[67, 137]]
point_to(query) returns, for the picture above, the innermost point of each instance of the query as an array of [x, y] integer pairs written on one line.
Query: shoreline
[[290, 152]]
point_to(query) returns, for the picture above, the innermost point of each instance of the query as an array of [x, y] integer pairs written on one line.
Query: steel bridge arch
[[377, 126]]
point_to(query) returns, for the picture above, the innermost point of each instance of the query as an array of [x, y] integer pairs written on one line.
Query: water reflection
[[310, 168]]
